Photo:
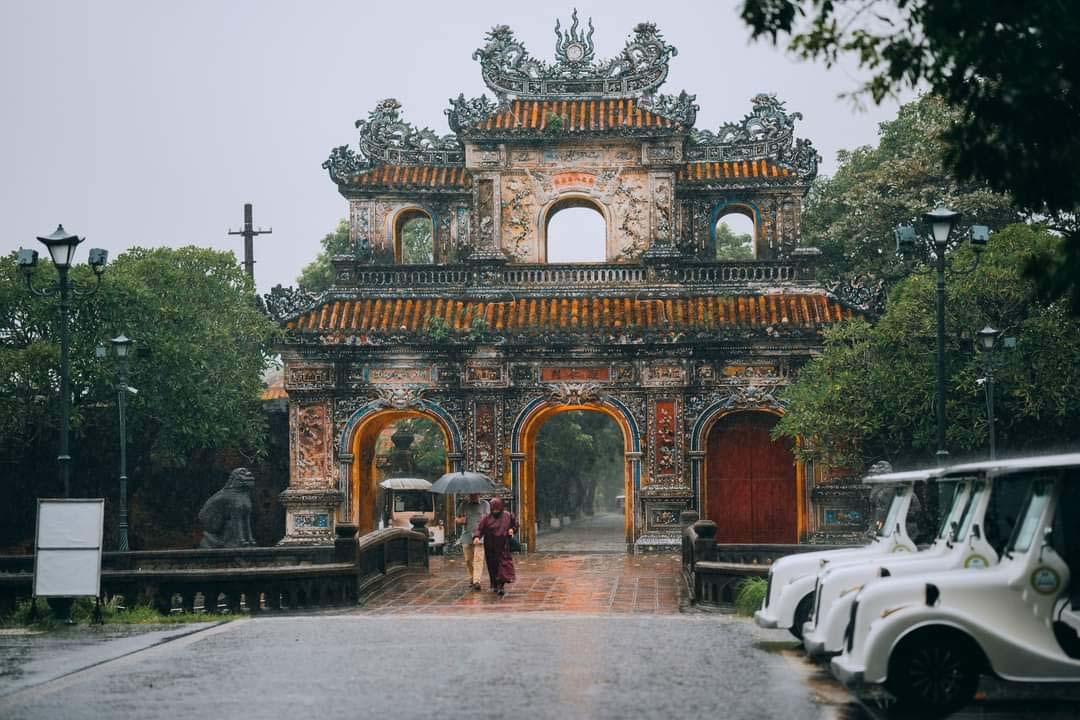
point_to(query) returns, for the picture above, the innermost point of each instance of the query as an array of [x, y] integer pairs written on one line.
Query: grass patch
[[750, 594], [112, 613]]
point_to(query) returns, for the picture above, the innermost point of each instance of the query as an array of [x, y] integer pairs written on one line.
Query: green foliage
[[1009, 68], [318, 275], [750, 594], [112, 613], [851, 216], [438, 329], [731, 245], [417, 245], [579, 463], [869, 395], [429, 447], [478, 328], [200, 347], [554, 123]]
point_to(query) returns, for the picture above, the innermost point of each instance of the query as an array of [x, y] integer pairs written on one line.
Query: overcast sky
[[146, 123]]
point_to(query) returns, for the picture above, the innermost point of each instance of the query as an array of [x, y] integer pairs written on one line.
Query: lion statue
[[226, 516]]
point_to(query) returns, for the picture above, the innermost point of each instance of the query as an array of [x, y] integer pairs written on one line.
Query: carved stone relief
[[312, 445]]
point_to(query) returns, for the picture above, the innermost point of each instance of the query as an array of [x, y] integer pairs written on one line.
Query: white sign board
[[68, 557]]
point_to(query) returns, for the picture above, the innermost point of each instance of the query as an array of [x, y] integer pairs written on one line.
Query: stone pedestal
[[309, 516]]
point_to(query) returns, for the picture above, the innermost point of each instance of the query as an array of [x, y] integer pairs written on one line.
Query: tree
[[869, 395], [201, 346], [318, 275], [416, 241], [579, 456], [731, 245], [1011, 69], [851, 215]]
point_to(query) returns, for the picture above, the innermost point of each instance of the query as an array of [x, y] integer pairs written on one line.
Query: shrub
[[750, 594]]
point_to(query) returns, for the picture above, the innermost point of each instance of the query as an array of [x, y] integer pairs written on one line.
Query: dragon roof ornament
[[387, 139], [512, 73], [767, 132]]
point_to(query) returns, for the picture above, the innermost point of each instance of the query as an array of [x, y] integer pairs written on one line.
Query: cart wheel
[[802, 613], [939, 675]]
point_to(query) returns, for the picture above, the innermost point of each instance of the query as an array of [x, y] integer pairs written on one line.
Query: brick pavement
[[546, 582]]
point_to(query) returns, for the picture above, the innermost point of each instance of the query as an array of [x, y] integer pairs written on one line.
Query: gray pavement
[[492, 666], [603, 532]]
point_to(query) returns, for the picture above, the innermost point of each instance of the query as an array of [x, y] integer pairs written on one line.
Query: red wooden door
[[750, 487]]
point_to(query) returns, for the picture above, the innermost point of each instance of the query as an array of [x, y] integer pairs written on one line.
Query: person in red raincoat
[[495, 530]]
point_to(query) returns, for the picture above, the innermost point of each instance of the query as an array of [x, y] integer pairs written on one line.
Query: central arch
[[523, 458]]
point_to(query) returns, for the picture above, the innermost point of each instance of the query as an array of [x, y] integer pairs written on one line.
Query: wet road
[[357, 665], [602, 532]]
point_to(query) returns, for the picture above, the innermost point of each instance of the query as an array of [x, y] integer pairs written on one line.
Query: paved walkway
[[602, 532], [561, 582]]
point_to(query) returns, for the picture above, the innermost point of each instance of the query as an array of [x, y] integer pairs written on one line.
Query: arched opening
[[575, 232], [380, 452], [579, 489], [733, 236], [414, 238], [523, 446], [751, 489]]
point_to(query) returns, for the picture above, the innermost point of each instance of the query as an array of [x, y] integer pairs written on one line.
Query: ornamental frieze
[[556, 374], [664, 374], [311, 446], [575, 393], [309, 377], [485, 375]]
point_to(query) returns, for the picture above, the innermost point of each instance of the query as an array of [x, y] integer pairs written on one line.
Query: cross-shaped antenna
[[249, 233]]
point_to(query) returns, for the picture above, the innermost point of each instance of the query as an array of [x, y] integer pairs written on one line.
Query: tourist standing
[[494, 531], [469, 515]]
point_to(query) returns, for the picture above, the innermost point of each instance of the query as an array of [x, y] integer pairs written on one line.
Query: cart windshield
[[978, 489], [405, 501], [952, 502], [887, 512], [1037, 500]]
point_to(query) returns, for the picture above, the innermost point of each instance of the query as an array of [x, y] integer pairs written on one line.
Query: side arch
[[747, 209], [396, 223], [523, 456], [366, 422], [699, 435]]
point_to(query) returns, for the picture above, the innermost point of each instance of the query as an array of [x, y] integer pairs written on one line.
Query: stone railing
[[515, 277], [714, 570], [231, 579]]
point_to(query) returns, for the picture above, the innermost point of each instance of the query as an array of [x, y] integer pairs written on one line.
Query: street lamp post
[[987, 340], [61, 246], [942, 221], [121, 345]]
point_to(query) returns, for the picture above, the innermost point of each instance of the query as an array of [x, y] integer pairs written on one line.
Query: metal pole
[[122, 526], [942, 454], [64, 458], [249, 247], [990, 400]]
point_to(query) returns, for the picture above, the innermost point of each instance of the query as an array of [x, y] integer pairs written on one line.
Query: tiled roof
[[714, 171], [580, 116], [712, 312], [413, 177]]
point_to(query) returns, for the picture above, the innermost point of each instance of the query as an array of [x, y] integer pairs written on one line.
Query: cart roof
[[1000, 467], [900, 478], [405, 484]]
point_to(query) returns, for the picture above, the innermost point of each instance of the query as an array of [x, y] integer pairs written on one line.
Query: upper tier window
[[733, 237], [414, 242], [576, 232]]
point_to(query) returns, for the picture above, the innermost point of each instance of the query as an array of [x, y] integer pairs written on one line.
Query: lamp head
[[98, 258], [26, 259], [61, 245], [121, 344], [979, 236], [941, 221], [905, 239], [987, 337]]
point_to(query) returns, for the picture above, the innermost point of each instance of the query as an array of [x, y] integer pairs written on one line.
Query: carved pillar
[[662, 211], [697, 464], [487, 231], [313, 494]]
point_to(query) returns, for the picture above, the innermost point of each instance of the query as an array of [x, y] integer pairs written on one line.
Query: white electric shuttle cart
[[788, 602], [928, 638], [971, 535]]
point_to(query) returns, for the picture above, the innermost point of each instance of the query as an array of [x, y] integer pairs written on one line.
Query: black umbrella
[[463, 482]]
